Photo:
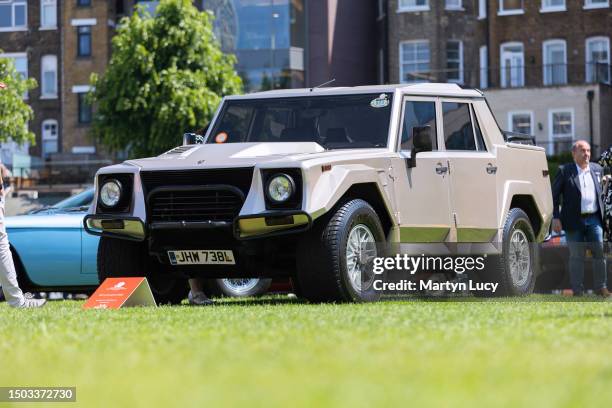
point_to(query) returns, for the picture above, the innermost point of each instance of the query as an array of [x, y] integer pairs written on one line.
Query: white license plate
[[202, 257]]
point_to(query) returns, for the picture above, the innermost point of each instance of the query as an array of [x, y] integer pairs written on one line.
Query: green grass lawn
[[540, 351]]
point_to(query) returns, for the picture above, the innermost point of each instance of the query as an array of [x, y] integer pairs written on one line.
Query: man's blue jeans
[[590, 236]]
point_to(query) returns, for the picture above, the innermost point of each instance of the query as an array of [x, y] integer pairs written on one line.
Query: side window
[[418, 114], [458, 130], [480, 143]]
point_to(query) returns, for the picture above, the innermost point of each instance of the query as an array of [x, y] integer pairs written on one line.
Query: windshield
[[80, 200], [334, 122]]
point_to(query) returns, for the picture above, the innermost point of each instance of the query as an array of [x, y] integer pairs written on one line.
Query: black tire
[[499, 271], [322, 273], [220, 287], [119, 258]]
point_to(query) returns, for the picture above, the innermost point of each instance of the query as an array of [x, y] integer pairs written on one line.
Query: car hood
[[240, 155], [46, 220]]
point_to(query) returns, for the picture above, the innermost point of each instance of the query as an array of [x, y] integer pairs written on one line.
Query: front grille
[[237, 177], [195, 205]]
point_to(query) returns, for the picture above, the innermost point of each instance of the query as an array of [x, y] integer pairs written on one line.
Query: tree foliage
[[166, 76], [14, 111]]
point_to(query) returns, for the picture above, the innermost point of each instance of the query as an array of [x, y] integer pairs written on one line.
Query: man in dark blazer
[[577, 188]]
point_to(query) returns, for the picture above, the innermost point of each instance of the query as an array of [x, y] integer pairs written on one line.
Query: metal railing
[[55, 174], [518, 76]]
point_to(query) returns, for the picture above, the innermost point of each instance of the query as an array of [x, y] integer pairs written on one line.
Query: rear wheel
[[334, 259], [122, 258], [239, 287], [515, 268]]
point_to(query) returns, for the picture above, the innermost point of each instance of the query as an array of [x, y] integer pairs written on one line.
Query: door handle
[[441, 169], [491, 169]]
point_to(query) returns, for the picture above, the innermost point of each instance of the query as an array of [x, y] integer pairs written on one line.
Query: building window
[[13, 15], [83, 3], [149, 6], [512, 65], [453, 5], [484, 67], [49, 137], [48, 76], [521, 122], [561, 125], [508, 7], [454, 61], [381, 9], [592, 4], [48, 13], [85, 111], [84, 41], [555, 62], [20, 61], [413, 5], [482, 9], [553, 5], [598, 59], [414, 61]]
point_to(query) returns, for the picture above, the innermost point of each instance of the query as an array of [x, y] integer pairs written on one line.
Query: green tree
[[14, 112], [167, 75]]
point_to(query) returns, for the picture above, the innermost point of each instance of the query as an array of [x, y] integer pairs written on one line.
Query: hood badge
[[201, 161]]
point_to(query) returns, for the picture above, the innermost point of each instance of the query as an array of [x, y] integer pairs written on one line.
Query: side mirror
[[421, 142], [197, 137]]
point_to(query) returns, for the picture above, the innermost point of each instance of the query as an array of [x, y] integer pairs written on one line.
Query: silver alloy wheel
[[519, 258], [240, 286], [360, 249]]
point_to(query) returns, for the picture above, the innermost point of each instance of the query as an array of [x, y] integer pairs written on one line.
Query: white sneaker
[[29, 302], [199, 299]]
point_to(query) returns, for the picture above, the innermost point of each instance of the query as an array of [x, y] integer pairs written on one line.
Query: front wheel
[[335, 258], [122, 258]]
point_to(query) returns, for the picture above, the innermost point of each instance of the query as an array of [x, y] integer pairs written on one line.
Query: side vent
[[179, 150]]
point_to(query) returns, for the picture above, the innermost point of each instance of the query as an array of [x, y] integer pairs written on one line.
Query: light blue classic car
[[50, 248]]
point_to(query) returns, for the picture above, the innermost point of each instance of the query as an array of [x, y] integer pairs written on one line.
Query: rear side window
[[418, 114], [458, 130]]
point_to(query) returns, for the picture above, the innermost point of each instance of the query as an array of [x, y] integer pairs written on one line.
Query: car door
[[473, 173], [422, 192]]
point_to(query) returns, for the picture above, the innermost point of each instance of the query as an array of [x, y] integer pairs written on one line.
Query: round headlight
[[280, 188], [110, 193]]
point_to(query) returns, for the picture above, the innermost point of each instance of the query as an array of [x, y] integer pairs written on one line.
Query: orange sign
[[115, 293]]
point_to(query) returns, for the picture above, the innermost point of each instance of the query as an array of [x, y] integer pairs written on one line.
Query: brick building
[[544, 64]]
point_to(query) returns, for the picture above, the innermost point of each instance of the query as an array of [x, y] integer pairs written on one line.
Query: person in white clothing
[[8, 276]]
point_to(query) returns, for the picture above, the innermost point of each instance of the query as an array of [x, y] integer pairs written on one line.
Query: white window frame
[[49, 139], [482, 9], [484, 67], [552, 9], [401, 62], [460, 80], [589, 64], [13, 56], [457, 6], [14, 27], [511, 12], [502, 65], [589, 5], [410, 9], [511, 115], [44, 95], [551, 136], [43, 4], [547, 81]]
